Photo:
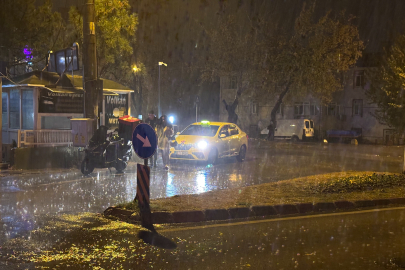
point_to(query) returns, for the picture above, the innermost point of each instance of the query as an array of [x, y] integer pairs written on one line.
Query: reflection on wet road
[[24, 196]]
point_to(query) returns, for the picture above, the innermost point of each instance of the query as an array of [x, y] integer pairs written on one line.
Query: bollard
[[142, 194]]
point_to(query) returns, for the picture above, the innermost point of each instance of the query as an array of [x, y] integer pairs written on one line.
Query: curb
[[249, 212]]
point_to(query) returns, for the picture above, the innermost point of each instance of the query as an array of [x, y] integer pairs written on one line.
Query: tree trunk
[[230, 108], [273, 120]]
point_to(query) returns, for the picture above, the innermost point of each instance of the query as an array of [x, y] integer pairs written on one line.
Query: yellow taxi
[[209, 141]]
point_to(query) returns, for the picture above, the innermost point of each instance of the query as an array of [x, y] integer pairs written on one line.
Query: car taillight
[[247, 137]]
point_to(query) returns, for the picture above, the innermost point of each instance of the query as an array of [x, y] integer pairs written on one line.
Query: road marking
[[146, 142], [279, 219], [66, 182], [74, 180]]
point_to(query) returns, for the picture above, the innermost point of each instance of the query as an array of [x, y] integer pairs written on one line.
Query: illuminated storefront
[[44, 101]]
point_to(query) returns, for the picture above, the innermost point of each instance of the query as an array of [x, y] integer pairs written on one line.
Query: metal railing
[[45, 137]]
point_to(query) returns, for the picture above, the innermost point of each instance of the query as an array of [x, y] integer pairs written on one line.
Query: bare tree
[[307, 61]]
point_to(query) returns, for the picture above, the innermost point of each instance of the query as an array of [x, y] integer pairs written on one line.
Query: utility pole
[[1, 120], [159, 110], [402, 106], [90, 62], [197, 100]]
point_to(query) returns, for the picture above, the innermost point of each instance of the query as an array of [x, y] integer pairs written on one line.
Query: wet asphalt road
[[370, 239], [26, 195]]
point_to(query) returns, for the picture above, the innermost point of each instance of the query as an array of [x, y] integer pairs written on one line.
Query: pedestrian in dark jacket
[[164, 132], [152, 121]]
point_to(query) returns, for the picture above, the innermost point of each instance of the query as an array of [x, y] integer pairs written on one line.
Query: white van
[[294, 129]]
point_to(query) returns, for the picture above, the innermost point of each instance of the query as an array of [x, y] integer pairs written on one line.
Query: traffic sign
[[144, 141]]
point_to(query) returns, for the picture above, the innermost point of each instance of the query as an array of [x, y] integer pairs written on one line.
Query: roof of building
[[56, 83]]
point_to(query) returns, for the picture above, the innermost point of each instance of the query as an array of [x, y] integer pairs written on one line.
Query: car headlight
[[202, 145]]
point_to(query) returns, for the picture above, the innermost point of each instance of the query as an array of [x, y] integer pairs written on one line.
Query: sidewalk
[[319, 193]]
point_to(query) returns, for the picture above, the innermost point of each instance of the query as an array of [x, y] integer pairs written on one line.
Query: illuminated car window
[[224, 130], [197, 130], [233, 130]]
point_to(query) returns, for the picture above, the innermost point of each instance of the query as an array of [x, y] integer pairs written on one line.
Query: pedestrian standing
[[153, 121], [270, 136], [164, 132]]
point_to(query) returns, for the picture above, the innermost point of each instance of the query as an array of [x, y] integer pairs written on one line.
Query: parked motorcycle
[[106, 152]]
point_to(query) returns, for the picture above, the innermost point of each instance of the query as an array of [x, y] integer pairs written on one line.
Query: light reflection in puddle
[[170, 188], [201, 182]]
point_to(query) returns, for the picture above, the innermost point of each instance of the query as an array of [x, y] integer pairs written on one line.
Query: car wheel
[[87, 167], [121, 165], [294, 139], [213, 156], [242, 153]]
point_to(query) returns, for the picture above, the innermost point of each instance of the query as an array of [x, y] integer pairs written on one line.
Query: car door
[[311, 130], [306, 128], [223, 144], [234, 140]]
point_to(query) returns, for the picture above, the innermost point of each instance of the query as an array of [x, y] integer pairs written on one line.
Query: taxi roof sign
[[205, 122]]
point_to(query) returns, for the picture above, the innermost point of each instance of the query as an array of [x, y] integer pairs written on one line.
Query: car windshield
[[199, 130]]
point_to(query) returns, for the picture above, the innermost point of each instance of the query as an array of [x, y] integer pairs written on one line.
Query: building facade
[[350, 109]]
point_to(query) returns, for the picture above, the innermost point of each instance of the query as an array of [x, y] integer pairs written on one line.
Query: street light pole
[[402, 97], [197, 100], [1, 121], [159, 111], [138, 86], [91, 97]]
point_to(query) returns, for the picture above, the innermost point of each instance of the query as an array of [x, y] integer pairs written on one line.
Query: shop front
[[115, 107], [34, 113]]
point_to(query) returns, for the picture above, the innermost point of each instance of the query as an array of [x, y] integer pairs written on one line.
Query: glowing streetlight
[[136, 69], [171, 119]]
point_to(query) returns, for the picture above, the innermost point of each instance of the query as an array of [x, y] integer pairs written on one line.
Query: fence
[[44, 137]]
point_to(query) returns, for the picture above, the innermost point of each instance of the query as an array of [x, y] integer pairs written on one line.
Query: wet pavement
[[25, 196], [369, 239], [372, 239]]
